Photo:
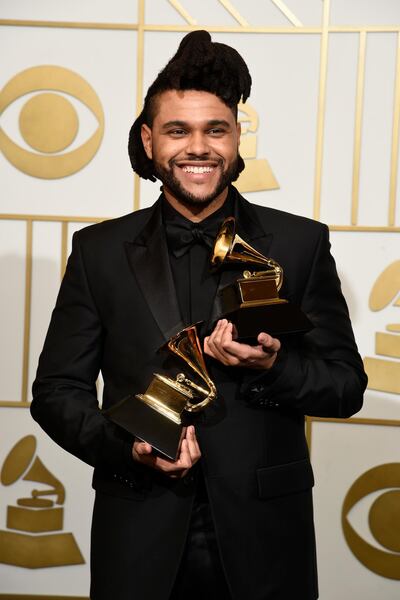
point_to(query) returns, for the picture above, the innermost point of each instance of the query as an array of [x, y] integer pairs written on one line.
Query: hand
[[222, 346], [189, 455]]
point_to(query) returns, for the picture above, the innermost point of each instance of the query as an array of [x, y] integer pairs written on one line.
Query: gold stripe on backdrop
[[56, 218], [68, 25], [27, 309], [139, 90], [244, 29], [64, 246], [288, 13], [41, 597], [234, 13], [360, 228], [357, 127], [321, 110], [211, 28], [395, 140], [183, 12]]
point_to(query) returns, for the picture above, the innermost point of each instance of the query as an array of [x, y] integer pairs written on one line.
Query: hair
[[199, 64]]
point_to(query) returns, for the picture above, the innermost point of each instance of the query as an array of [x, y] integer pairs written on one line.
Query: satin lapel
[[248, 227], [148, 258]]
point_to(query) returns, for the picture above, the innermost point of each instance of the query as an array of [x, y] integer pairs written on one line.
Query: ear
[[147, 140], [239, 131]]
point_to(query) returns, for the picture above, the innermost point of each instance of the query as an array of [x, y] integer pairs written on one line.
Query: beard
[[168, 179]]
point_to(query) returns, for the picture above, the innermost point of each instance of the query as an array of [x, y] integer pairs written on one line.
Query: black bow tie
[[182, 235]]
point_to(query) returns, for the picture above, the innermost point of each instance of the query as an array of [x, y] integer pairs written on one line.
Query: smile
[[193, 169]]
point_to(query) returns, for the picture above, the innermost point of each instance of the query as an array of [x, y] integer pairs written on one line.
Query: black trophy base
[[278, 319], [147, 424]]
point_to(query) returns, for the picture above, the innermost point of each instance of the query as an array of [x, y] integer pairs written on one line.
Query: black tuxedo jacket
[[116, 307]]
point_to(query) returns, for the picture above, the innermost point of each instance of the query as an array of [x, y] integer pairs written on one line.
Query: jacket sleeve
[[64, 392], [320, 374]]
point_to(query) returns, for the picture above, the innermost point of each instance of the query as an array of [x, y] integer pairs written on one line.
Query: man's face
[[193, 143]]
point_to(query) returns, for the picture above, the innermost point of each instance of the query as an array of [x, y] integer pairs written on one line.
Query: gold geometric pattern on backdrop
[[49, 123], [324, 31], [30, 540], [384, 374]]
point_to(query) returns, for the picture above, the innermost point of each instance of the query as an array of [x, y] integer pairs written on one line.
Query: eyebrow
[[211, 123]]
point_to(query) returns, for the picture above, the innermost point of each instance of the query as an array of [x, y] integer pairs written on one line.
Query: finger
[[193, 446], [171, 467], [228, 347], [220, 340], [142, 447], [185, 460], [269, 344], [216, 334], [244, 355], [154, 461], [232, 350]]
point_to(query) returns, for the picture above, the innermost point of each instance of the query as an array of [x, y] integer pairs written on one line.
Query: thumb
[[143, 447], [269, 344]]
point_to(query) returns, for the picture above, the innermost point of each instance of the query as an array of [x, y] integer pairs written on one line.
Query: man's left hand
[[222, 346]]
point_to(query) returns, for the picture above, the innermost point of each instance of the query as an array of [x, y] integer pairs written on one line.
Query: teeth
[[192, 169]]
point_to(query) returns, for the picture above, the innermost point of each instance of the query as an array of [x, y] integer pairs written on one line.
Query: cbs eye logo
[[49, 123], [384, 520]]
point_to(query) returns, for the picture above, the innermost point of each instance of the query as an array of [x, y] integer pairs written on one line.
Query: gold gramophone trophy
[[252, 302], [159, 415]]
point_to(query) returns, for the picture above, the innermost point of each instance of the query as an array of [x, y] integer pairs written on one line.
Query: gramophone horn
[[40, 474], [186, 345], [230, 247]]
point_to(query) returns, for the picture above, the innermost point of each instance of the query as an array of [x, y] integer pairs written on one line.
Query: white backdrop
[[327, 97]]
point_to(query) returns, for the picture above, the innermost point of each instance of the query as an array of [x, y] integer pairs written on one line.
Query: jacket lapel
[[148, 258]]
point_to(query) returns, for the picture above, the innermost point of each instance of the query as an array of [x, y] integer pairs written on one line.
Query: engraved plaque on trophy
[[159, 416], [252, 302]]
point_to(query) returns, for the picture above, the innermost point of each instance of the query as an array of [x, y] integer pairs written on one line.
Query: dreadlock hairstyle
[[199, 64]]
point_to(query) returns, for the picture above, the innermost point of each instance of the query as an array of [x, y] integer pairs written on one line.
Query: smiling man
[[231, 518], [193, 143]]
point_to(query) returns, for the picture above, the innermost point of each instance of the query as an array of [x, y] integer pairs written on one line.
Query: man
[[232, 517]]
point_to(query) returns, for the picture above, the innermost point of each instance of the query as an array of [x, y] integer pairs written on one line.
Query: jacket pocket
[[281, 480]]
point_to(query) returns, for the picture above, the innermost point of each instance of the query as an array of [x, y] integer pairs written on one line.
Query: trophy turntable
[[252, 302], [160, 414]]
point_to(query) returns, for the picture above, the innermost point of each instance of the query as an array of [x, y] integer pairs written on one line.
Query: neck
[[195, 212]]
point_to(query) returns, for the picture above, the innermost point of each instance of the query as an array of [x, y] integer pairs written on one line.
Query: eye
[[50, 99], [177, 132], [382, 557], [216, 131]]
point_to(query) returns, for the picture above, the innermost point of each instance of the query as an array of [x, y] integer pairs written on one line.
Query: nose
[[197, 144]]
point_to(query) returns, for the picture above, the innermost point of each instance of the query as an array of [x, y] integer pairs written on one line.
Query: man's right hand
[[190, 453]]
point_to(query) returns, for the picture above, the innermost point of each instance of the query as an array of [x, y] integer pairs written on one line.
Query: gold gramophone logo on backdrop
[[258, 175], [49, 123], [383, 520], [384, 373], [30, 540]]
